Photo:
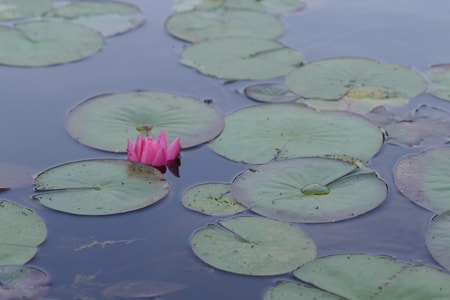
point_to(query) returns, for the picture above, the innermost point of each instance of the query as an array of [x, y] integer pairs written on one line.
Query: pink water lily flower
[[153, 152]]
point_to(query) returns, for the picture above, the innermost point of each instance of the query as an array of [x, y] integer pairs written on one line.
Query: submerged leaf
[[23, 282], [134, 289], [439, 81], [269, 6], [270, 92], [14, 175]]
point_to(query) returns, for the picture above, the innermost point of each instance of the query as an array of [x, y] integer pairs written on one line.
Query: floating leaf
[[425, 126], [16, 9], [14, 175], [270, 92], [110, 18], [309, 190], [423, 178], [106, 121], [258, 134], [438, 239], [269, 6], [286, 290], [45, 43], [100, 187], [133, 289], [333, 78], [23, 282], [253, 246], [211, 199], [362, 276], [195, 26], [241, 58], [439, 81], [21, 231]]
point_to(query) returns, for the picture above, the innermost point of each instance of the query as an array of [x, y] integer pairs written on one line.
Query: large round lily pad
[[362, 276], [15, 9], [270, 92], [333, 78], [110, 18], [438, 239], [309, 190], [106, 121], [21, 231], [100, 187], [286, 290], [439, 81], [45, 43], [241, 58], [23, 282], [253, 246], [262, 133], [423, 178], [199, 25]]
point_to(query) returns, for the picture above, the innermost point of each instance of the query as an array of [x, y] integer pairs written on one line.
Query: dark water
[[36, 101]]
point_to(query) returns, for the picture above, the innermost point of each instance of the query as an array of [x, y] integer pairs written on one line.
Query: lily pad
[[138, 289], [270, 92], [100, 187], [211, 199], [253, 246], [45, 43], [21, 231], [261, 133], [23, 282], [363, 276], [438, 239], [106, 121], [241, 58], [110, 18], [360, 100], [286, 290], [17, 9], [423, 178], [269, 6], [196, 25], [309, 190], [439, 81], [424, 126], [14, 175], [333, 78]]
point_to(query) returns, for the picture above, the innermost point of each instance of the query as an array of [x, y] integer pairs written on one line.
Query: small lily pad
[[261, 133], [211, 199], [439, 81], [138, 289], [14, 175], [309, 190], [110, 18], [196, 25], [17, 9], [286, 290], [438, 239], [106, 121], [270, 92], [363, 276], [21, 231], [23, 282], [45, 43], [333, 78], [253, 246], [241, 58], [423, 178], [100, 187]]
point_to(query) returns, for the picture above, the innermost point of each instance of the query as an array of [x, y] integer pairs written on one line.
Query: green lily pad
[[362, 276], [360, 100], [309, 190], [270, 92], [100, 187], [423, 127], [23, 282], [211, 199], [261, 133], [286, 290], [195, 26], [106, 121], [134, 289], [110, 18], [45, 43], [438, 239], [269, 6], [242, 58], [423, 178], [14, 175], [333, 78], [17, 9], [439, 81], [253, 246], [21, 231]]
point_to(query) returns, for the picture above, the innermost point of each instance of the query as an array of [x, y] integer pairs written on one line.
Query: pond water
[[153, 243]]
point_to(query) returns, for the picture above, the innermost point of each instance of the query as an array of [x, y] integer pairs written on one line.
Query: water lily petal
[[160, 158], [174, 149]]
